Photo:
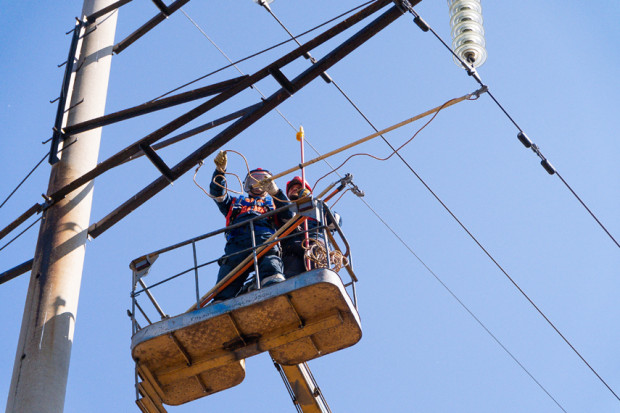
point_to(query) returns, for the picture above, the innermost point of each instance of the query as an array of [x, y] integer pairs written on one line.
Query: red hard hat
[[297, 180]]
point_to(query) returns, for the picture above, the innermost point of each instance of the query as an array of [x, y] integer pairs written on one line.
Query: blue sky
[[553, 65]]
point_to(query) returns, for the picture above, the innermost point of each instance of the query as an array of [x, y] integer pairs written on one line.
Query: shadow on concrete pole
[[41, 366]]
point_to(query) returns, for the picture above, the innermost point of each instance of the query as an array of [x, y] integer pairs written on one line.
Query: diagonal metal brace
[[157, 161], [246, 121]]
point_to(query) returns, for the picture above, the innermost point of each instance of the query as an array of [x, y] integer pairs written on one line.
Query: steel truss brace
[[151, 106], [92, 17], [135, 149], [250, 118], [146, 27], [248, 115], [243, 84]]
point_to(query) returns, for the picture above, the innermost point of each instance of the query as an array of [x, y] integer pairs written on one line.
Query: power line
[[462, 304], [441, 281], [259, 52], [471, 71], [527, 143], [394, 150], [404, 161], [21, 233], [24, 180]]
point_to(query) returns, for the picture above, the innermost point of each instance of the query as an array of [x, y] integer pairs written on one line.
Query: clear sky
[[554, 67]]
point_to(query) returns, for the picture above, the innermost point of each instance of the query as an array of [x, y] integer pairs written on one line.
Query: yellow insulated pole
[[374, 135], [41, 366]]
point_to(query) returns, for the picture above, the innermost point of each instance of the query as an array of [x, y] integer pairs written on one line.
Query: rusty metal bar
[[181, 349], [302, 323], [196, 130], [246, 121], [36, 208], [64, 91], [162, 7], [121, 156], [158, 162], [16, 271], [91, 18], [145, 28], [152, 106]]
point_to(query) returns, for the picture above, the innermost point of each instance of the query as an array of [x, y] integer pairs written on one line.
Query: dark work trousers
[[269, 264]]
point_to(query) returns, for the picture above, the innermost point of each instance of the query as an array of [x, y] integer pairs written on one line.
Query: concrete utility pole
[[44, 349]]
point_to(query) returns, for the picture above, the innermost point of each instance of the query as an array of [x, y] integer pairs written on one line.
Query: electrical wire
[[402, 241], [31, 172], [24, 180], [398, 154], [259, 52], [21, 233], [226, 188], [412, 252], [472, 72], [395, 151]]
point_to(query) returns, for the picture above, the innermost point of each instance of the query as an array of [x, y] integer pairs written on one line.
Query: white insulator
[[467, 26], [464, 16], [456, 6], [467, 31]]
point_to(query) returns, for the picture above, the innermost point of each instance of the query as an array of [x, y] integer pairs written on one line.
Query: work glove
[[221, 160], [268, 185]]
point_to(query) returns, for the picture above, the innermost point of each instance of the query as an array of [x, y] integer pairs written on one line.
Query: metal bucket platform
[[201, 352]]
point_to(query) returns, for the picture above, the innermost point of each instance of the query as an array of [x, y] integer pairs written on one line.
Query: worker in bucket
[[293, 247], [257, 202]]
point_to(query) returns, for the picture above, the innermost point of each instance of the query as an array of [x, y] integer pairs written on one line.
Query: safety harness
[[254, 206]]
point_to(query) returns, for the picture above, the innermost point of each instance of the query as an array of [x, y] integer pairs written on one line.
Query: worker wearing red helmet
[[292, 248], [243, 208]]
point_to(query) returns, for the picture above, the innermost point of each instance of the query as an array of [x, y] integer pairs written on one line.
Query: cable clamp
[[421, 24], [348, 178], [404, 6], [536, 150], [483, 89], [48, 203], [356, 191]]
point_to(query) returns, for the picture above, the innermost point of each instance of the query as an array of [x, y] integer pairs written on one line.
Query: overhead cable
[[259, 52], [24, 180], [322, 156], [395, 151], [472, 72], [21, 233], [412, 252]]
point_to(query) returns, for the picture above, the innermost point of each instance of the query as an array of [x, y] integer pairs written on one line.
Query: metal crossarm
[[246, 121], [145, 28], [152, 106]]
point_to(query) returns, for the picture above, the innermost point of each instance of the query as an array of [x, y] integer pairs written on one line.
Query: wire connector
[[405, 6], [48, 202], [523, 138], [421, 24], [356, 191], [483, 89], [544, 162], [548, 167]]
